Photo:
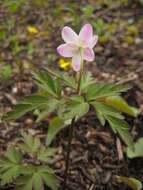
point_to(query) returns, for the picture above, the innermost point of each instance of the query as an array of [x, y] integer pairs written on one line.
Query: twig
[[119, 149]]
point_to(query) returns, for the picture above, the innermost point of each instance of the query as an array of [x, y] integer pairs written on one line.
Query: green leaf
[[76, 107], [36, 144], [38, 182], [18, 111], [51, 105], [77, 98], [68, 80], [31, 48], [28, 104], [50, 180], [31, 144], [122, 128], [34, 99], [24, 183], [58, 87], [46, 82], [6, 73], [88, 11], [45, 154], [121, 105], [141, 1], [99, 26], [9, 175], [14, 7], [131, 182], [10, 167], [86, 81], [54, 127], [2, 34], [97, 91], [14, 155], [45, 169], [114, 118], [137, 151], [100, 116], [28, 170], [35, 180], [107, 110]]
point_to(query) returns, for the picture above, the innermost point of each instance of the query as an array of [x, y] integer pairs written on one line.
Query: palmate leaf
[[97, 91], [115, 119], [10, 175], [50, 180], [36, 179], [68, 80], [14, 155], [31, 144], [38, 182], [24, 183], [76, 107], [46, 82], [51, 105], [10, 167], [45, 154], [27, 104]]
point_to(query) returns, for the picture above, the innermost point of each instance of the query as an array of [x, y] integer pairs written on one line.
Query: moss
[[133, 30], [111, 28], [129, 40]]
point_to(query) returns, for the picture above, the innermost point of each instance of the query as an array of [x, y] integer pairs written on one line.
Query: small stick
[[119, 149]]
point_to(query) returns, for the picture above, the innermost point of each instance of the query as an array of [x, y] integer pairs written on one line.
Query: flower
[[76, 45], [65, 65], [32, 30]]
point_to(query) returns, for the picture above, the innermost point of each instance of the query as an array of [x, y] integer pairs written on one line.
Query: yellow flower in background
[[65, 65], [32, 30]]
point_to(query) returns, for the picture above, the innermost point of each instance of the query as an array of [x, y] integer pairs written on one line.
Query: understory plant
[[32, 173], [69, 97]]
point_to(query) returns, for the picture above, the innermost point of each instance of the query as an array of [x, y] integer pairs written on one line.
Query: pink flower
[[74, 44]]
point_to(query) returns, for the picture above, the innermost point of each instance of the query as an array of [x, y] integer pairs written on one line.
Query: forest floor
[[95, 162]]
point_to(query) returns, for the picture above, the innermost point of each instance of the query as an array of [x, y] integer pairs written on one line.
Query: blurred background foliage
[[30, 29]]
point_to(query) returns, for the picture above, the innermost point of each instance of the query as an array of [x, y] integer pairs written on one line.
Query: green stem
[[72, 128]]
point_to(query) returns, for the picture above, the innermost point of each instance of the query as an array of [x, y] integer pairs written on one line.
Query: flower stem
[[72, 128], [68, 152]]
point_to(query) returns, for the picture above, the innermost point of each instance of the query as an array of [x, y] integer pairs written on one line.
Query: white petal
[[88, 54], [94, 41], [67, 50], [69, 36], [86, 35], [76, 62]]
